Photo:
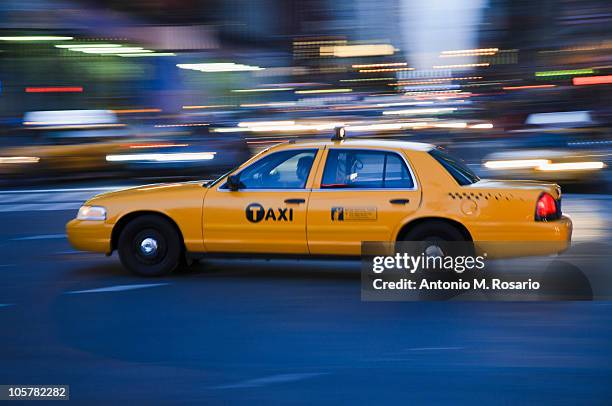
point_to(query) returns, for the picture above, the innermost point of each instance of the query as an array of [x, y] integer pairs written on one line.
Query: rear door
[[363, 195]]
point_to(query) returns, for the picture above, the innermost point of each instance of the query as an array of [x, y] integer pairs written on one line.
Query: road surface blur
[[277, 331]]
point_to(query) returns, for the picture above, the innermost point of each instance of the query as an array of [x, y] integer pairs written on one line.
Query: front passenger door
[[268, 213]]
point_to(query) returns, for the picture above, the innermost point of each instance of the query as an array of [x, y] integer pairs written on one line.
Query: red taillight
[[546, 207]]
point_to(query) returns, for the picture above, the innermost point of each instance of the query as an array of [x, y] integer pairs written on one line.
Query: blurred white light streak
[[461, 66], [346, 51], [516, 163], [438, 110], [36, 38], [162, 157], [92, 45], [451, 125], [122, 50], [218, 67], [267, 89], [250, 124], [142, 55], [571, 166], [380, 65], [19, 159], [323, 91]]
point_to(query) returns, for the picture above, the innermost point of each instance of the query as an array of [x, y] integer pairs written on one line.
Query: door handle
[[295, 201], [399, 201]]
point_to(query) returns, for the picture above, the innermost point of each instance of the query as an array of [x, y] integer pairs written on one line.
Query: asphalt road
[[278, 332]]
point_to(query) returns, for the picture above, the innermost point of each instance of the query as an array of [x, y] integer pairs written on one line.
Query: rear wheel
[[437, 239], [434, 234], [150, 245]]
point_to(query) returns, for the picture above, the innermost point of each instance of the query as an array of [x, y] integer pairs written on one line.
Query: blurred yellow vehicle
[[57, 144], [90, 144], [318, 198], [560, 147]]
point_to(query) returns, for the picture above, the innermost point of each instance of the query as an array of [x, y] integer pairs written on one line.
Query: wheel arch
[[404, 229], [126, 218]]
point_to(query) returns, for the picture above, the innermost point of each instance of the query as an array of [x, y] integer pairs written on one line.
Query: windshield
[[455, 167]]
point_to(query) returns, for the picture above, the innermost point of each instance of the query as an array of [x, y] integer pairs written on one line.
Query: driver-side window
[[280, 170]]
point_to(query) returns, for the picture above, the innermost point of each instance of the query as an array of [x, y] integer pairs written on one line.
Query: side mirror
[[233, 182]]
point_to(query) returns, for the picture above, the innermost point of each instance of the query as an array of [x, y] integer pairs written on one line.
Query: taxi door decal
[[354, 213], [255, 213]]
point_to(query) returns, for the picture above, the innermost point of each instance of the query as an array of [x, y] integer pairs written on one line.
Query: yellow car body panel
[[180, 202], [214, 219]]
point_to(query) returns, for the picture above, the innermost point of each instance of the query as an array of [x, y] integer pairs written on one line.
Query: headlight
[[91, 213]]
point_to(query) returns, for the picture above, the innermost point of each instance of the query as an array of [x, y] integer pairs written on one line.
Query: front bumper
[[86, 235]]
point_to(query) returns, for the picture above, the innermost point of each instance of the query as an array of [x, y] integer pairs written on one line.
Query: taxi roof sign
[[339, 134]]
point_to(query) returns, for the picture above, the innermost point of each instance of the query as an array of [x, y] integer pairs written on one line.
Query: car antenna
[[339, 134]]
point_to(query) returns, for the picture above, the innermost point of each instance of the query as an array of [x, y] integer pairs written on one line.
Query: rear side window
[[365, 169], [455, 167]]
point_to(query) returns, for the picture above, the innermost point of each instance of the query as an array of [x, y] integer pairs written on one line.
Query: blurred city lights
[[249, 124], [528, 87], [135, 111], [34, 38], [400, 83], [269, 89], [162, 157], [592, 80], [54, 89], [567, 72], [181, 125], [461, 66], [571, 166], [142, 55], [347, 51], [379, 65], [384, 70], [120, 50], [469, 52], [85, 46], [451, 125], [218, 67], [559, 118], [323, 91], [438, 110], [516, 163], [19, 159], [69, 117], [214, 106]]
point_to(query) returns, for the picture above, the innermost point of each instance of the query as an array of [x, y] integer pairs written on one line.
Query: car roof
[[362, 143]]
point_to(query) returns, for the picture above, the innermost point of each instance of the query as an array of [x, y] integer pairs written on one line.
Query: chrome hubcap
[[434, 251], [148, 246]]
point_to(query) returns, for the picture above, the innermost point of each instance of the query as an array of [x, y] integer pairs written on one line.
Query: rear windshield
[[457, 169]]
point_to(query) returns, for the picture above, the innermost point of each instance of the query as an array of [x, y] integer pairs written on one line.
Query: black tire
[[437, 238], [150, 245], [433, 230], [437, 233]]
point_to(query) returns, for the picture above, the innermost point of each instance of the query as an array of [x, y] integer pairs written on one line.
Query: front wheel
[[150, 245]]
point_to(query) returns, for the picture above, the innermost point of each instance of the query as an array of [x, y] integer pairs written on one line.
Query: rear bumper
[[525, 238], [94, 236]]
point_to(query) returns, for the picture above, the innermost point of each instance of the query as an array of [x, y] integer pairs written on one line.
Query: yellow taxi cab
[[321, 197]]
